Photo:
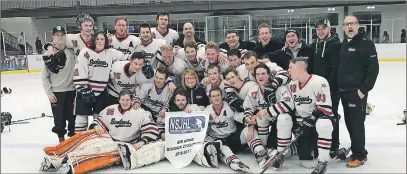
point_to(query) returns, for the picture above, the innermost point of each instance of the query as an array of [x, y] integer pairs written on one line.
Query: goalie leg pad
[[147, 154]]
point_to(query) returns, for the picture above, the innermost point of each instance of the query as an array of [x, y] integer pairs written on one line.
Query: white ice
[[21, 148]]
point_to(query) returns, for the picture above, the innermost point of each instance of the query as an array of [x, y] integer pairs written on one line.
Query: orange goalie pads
[[85, 152]]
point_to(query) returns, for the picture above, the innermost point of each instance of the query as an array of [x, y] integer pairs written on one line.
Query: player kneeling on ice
[[118, 126], [313, 111], [223, 137]]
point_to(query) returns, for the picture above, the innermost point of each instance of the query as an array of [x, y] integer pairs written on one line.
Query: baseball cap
[[324, 22], [291, 30], [58, 29]]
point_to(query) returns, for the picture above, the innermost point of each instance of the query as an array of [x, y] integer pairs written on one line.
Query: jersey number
[[321, 98], [293, 88], [117, 75], [110, 111]]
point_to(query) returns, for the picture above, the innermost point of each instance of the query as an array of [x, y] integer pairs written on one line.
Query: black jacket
[[282, 57], [242, 45], [197, 96], [272, 46], [358, 65], [180, 41], [326, 58]]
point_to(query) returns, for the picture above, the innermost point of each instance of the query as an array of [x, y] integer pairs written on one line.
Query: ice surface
[[21, 149]]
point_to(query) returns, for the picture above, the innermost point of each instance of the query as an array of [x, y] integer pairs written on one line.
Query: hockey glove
[[235, 102], [87, 95], [6, 118], [305, 124], [270, 94], [60, 59], [148, 70], [51, 63]]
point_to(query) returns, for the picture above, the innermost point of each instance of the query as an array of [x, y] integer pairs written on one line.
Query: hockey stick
[[273, 160], [401, 124], [42, 115]]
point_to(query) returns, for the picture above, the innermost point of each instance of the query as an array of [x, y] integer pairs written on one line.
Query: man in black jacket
[[326, 50], [266, 44], [358, 69], [294, 48], [188, 36], [233, 41]]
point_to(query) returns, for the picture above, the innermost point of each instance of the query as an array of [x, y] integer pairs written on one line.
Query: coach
[[357, 73]]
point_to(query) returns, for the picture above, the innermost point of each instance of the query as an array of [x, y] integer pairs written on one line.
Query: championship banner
[[184, 136]]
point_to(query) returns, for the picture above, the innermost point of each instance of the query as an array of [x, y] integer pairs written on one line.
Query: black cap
[[291, 30], [58, 29], [324, 22]]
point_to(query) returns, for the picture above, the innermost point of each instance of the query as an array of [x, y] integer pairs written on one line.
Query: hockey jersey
[[175, 70], [151, 48], [93, 68], [127, 125], [148, 95], [314, 94], [170, 36], [222, 124], [255, 101], [223, 66], [76, 42], [127, 44], [242, 91], [120, 79], [221, 86]]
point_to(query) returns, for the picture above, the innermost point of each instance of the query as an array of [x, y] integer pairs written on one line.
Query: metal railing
[[11, 42]]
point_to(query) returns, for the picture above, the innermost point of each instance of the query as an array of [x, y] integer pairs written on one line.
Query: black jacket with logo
[[197, 95], [326, 58], [242, 45], [180, 41], [358, 64], [272, 46]]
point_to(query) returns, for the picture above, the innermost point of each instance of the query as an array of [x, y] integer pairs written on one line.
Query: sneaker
[[61, 139], [354, 163]]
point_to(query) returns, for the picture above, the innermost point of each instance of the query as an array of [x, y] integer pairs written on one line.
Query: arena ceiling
[[70, 8]]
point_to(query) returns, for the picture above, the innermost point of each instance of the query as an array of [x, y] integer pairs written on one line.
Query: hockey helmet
[[369, 108]]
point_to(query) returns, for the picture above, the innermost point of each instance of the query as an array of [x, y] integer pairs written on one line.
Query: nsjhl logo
[[182, 125]]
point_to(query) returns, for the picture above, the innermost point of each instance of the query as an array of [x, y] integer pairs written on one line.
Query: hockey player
[[162, 31], [235, 57], [128, 75], [148, 43], [91, 76], [194, 56], [77, 41], [97, 148], [122, 41], [174, 65], [215, 56], [215, 80], [57, 81], [179, 102], [224, 135], [154, 97], [312, 101]]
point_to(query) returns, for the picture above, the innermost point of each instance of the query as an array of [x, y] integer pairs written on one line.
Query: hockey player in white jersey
[[123, 41], [311, 95], [224, 138], [98, 148], [77, 41], [148, 43], [128, 75], [91, 75], [162, 31], [216, 56], [215, 80], [154, 97], [175, 66], [194, 56]]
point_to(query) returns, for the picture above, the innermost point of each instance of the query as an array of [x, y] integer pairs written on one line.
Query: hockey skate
[[237, 165], [125, 156], [46, 166], [211, 155], [262, 157], [65, 169], [321, 168]]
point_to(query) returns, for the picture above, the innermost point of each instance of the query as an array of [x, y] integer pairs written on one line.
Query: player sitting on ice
[[224, 138], [97, 148], [129, 75], [264, 96], [91, 75], [312, 101], [154, 97]]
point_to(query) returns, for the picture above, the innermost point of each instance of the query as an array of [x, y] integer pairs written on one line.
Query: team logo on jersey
[[254, 94], [75, 43], [86, 55], [117, 75], [221, 124], [127, 86], [154, 102], [98, 63], [302, 100], [120, 123], [182, 125], [351, 49], [124, 51], [131, 44]]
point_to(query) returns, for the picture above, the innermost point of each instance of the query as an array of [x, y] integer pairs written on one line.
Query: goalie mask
[[83, 17]]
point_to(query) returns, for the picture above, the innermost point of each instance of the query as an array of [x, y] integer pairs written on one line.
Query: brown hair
[[249, 54], [121, 18], [166, 47], [263, 25], [212, 45]]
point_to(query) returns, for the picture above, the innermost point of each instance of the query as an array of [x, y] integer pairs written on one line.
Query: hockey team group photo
[[125, 101]]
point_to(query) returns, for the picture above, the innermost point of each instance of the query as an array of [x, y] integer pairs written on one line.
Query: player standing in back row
[[161, 31], [123, 41]]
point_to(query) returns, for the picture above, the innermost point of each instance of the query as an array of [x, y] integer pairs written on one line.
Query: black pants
[[335, 134], [355, 114], [63, 111], [82, 108], [234, 143], [307, 143]]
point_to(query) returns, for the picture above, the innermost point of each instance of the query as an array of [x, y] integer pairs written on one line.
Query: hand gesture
[[136, 106], [250, 120], [262, 113], [171, 87]]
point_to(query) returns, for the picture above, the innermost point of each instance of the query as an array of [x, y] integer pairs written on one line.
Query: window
[[371, 22]]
